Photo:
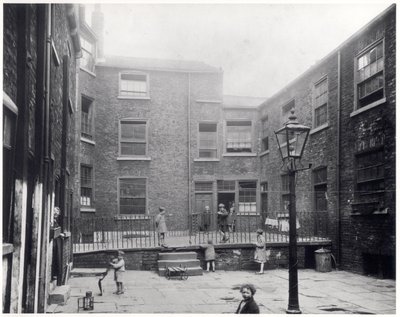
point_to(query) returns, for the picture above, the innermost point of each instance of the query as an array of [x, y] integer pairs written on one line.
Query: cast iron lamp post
[[291, 139]]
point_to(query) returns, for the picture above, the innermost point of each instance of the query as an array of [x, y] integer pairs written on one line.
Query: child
[[260, 254], [209, 255], [248, 304], [161, 227], [118, 265]]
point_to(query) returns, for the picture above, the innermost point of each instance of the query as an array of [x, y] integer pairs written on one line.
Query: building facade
[[348, 100], [40, 47], [161, 133]]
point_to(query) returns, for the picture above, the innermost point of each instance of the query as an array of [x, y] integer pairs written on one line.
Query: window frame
[[132, 72], [137, 120], [91, 205], [119, 195], [92, 54], [264, 134], [319, 185], [91, 115], [251, 137], [216, 141], [255, 202], [315, 107], [357, 108]]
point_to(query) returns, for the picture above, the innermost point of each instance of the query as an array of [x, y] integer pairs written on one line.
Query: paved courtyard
[[319, 293]]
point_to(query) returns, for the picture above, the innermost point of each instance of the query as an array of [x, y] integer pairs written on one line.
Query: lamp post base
[[293, 311]]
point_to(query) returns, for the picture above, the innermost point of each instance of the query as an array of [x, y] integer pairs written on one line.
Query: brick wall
[[230, 258], [368, 234]]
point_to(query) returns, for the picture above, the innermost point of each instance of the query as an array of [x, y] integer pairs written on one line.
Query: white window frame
[[91, 109], [91, 204], [124, 96], [136, 120], [119, 195], [251, 153], [357, 108], [315, 106], [216, 141], [92, 54]]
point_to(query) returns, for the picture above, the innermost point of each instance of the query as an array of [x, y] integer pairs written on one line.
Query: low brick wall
[[228, 257]]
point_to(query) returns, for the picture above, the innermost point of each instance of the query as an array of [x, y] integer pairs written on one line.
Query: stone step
[[191, 271], [177, 255], [183, 263], [60, 295], [86, 272]]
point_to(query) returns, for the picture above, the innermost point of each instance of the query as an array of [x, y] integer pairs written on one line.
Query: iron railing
[[103, 233]]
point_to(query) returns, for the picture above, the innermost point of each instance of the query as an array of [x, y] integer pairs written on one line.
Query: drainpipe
[[41, 304], [338, 215], [189, 152]]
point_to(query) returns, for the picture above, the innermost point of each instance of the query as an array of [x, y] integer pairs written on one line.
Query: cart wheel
[[167, 274], [185, 276]]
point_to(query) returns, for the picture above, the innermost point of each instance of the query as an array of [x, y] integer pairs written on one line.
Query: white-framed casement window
[[238, 136], [207, 140], [132, 195], [133, 138], [369, 77], [248, 196], [88, 55], [320, 103], [133, 85], [320, 189], [264, 135], [286, 108], [87, 117], [86, 185]]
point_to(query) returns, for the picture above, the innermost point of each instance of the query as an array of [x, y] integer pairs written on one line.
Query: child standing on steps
[[118, 265], [209, 255]]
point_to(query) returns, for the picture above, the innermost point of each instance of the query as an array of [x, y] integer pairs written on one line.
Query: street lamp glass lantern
[[292, 138]]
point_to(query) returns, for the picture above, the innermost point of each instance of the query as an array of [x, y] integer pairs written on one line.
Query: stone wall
[[229, 258]]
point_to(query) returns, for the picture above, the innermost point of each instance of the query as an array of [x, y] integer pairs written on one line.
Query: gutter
[[189, 152], [338, 213]]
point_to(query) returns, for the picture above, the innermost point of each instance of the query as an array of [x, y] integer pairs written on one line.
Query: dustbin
[[323, 260]]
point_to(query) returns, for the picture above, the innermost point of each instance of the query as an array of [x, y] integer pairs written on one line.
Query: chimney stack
[[98, 29]]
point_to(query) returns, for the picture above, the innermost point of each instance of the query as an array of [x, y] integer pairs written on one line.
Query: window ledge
[[88, 209], [208, 101], [134, 97], [133, 158], [206, 160], [240, 154], [8, 248], [320, 128], [129, 217], [83, 139], [250, 214], [370, 106], [87, 71], [264, 153]]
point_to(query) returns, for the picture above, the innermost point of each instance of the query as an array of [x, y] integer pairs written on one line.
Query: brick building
[[348, 99], [161, 133], [40, 47]]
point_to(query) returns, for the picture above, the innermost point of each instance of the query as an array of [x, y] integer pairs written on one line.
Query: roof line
[[334, 51]]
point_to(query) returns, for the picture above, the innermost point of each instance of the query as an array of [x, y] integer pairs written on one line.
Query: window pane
[[208, 153], [133, 148], [133, 187], [203, 186], [226, 185]]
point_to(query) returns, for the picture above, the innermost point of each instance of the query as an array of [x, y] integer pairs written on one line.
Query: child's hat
[[259, 231], [221, 205], [161, 208], [121, 252]]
